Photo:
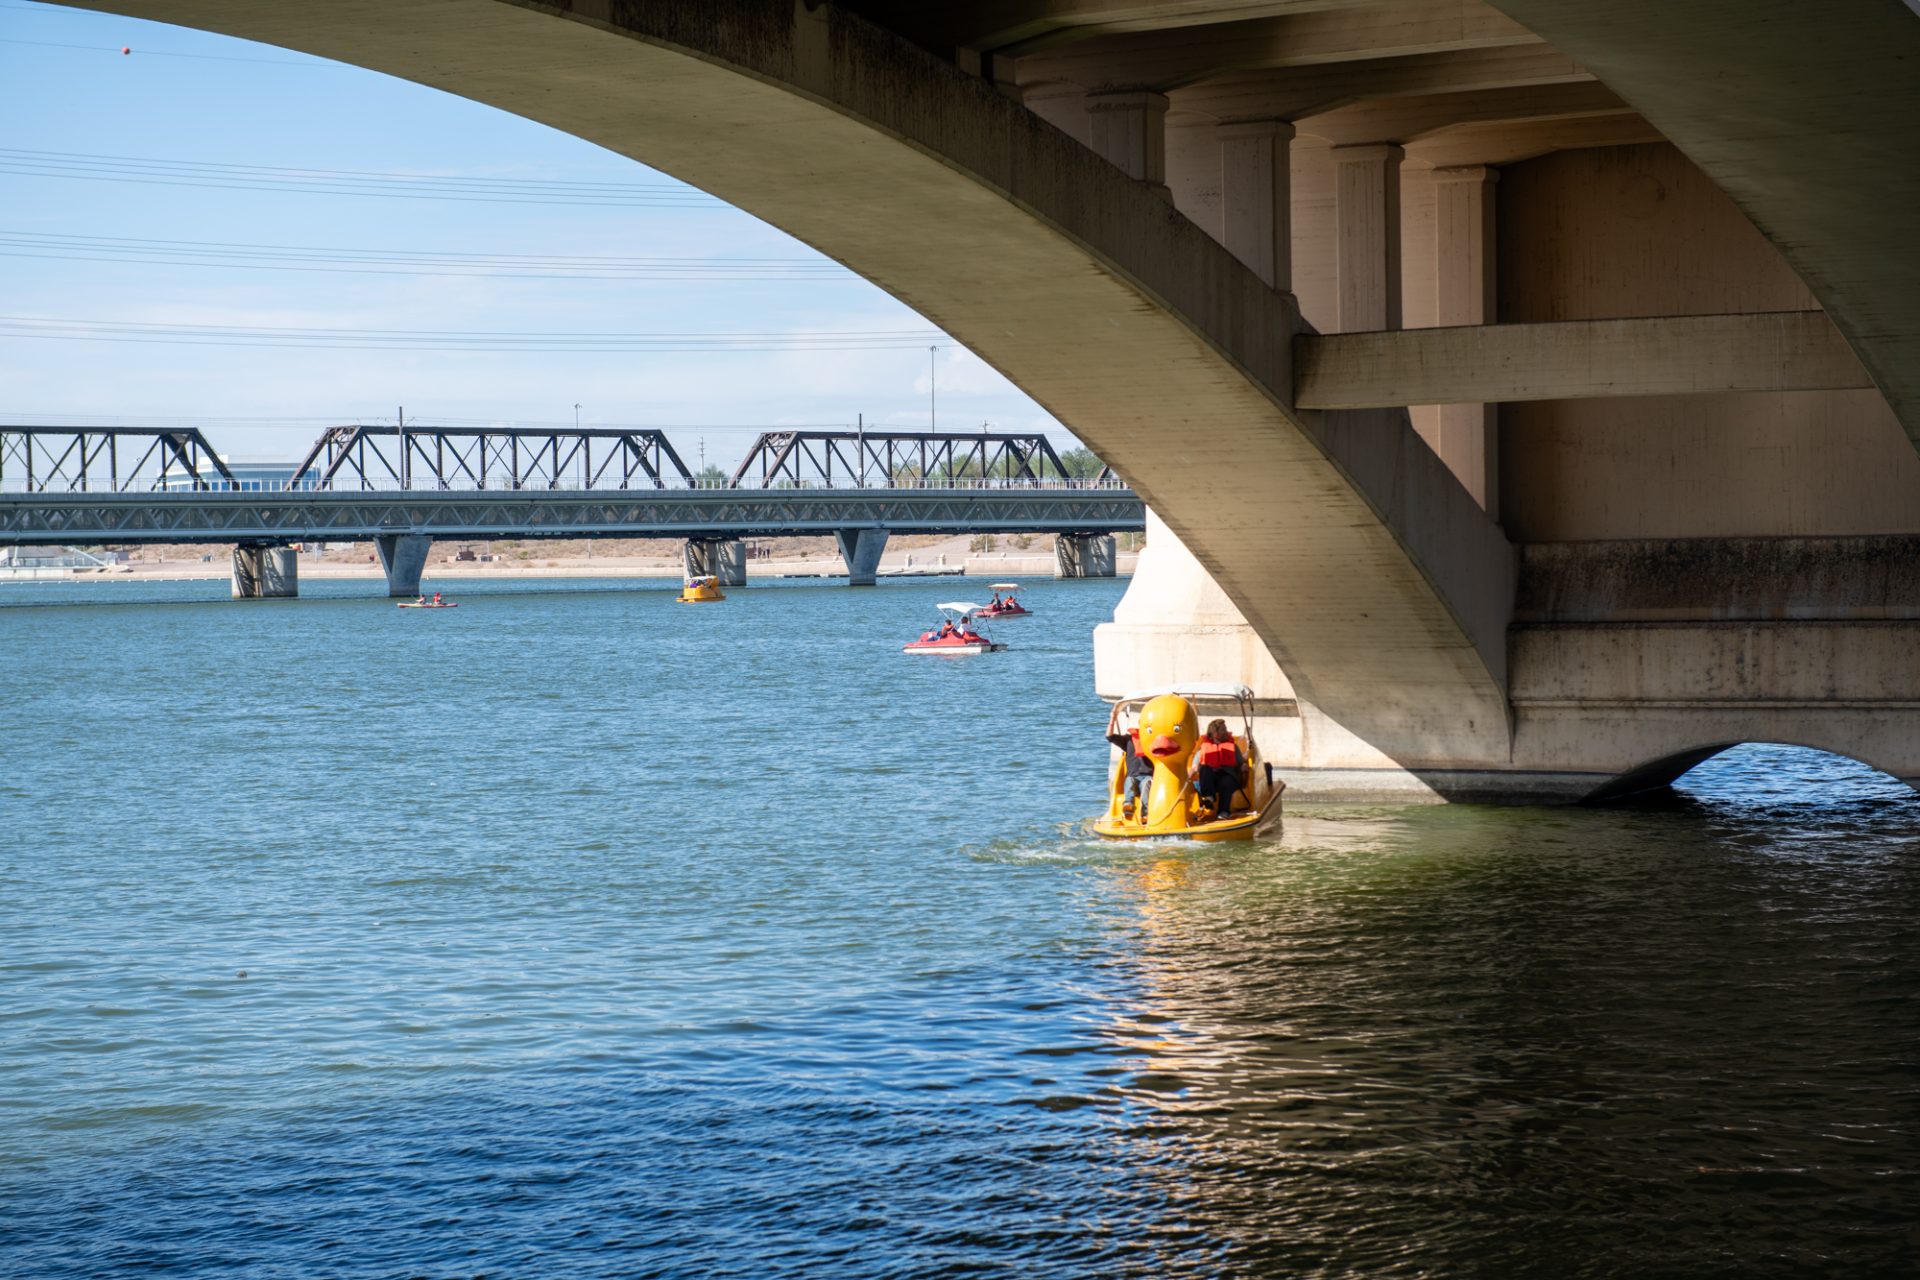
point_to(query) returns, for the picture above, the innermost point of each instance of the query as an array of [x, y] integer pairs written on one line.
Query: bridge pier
[[724, 558], [1631, 663], [861, 549], [404, 557], [1084, 555], [265, 573]]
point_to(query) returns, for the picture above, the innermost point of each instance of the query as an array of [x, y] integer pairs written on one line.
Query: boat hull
[[1241, 826], [953, 650]]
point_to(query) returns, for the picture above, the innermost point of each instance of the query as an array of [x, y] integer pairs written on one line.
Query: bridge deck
[[277, 517]]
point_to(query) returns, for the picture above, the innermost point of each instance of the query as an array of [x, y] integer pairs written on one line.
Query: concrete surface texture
[[1135, 210]]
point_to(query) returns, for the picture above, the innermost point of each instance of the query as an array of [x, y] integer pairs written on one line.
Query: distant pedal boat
[[700, 590], [956, 635]]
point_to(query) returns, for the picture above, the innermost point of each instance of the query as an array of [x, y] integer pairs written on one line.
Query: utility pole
[[933, 418], [405, 469], [860, 429]]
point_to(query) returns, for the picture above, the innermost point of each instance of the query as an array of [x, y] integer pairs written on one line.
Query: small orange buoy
[[125, 49]]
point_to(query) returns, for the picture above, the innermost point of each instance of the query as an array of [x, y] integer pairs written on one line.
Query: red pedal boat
[[955, 635], [1004, 608]]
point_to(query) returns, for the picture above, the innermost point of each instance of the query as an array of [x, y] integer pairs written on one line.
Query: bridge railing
[[967, 484]]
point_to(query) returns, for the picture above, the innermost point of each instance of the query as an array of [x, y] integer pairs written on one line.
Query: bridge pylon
[[404, 557], [862, 549], [723, 558]]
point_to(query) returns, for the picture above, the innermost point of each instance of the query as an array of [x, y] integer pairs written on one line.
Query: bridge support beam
[[1083, 555], [265, 573], [861, 549], [724, 558], [404, 557]]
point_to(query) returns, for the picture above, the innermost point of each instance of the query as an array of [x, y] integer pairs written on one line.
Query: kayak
[[410, 604]]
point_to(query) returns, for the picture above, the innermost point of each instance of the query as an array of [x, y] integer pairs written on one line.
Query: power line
[[308, 258], [348, 182], [321, 63], [456, 340]]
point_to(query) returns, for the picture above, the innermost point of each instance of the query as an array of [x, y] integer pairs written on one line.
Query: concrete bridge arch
[[1355, 555], [1665, 770], [1014, 179]]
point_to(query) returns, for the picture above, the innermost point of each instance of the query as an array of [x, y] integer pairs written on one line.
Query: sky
[[177, 222]]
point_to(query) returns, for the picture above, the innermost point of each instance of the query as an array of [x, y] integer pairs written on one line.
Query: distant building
[[251, 473]]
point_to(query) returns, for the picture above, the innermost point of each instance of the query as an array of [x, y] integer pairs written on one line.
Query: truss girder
[[829, 459], [111, 459], [369, 458], [88, 518]]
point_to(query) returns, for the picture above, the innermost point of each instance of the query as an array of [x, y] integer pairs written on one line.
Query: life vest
[[1219, 755]]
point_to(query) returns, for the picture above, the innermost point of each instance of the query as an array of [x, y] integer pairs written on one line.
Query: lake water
[[584, 933]]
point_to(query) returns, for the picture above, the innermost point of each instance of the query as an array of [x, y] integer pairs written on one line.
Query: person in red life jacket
[[1139, 769], [946, 629], [1217, 768]]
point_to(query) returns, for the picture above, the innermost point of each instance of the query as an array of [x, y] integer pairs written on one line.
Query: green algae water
[[574, 932]]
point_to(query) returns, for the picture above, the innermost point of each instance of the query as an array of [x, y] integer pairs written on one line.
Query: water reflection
[[1674, 1038]]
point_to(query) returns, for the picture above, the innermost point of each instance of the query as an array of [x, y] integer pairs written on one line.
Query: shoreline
[[314, 569]]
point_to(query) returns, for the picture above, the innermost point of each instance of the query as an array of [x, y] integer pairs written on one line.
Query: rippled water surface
[[575, 932]]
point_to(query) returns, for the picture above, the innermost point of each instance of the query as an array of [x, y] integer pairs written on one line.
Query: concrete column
[[279, 572], [1256, 197], [1083, 555], [246, 573], [725, 559], [1193, 173], [1366, 233], [1129, 129], [403, 556], [1463, 254], [861, 549]]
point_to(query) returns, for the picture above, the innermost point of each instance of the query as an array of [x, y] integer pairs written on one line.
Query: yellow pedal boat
[[697, 590], [1166, 725]]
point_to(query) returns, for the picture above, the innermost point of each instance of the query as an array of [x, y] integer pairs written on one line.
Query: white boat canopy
[[1003, 586], [959, 606], [1196, 689]]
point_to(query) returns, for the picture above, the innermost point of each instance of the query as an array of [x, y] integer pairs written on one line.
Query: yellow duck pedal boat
[[1166, 727], [698, 590]]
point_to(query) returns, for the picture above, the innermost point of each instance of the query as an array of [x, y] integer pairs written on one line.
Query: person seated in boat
[[420, 599], [995, 602], [946, 629], [1216, 765], [436, 597], [1139, 769]]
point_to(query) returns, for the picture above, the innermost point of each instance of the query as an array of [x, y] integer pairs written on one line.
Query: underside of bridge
[[1528, 390]]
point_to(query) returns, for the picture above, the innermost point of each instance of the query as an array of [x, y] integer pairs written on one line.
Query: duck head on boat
[[702, 588], [956, 634], [1162, 733]]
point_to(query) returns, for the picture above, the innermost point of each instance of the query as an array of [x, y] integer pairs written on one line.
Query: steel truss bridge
[[131, 485]]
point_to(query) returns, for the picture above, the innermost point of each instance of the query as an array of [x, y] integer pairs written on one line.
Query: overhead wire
[[310, 258], [457, 340], [138, 170]]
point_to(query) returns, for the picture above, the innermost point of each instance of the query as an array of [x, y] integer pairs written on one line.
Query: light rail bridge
[[402, 488]]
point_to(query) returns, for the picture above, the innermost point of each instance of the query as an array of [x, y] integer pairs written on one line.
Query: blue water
[[584, 933]]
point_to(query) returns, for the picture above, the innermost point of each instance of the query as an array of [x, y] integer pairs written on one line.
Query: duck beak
[[1163, 746]]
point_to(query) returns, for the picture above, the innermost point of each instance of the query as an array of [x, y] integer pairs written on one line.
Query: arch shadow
[[1660, 775]]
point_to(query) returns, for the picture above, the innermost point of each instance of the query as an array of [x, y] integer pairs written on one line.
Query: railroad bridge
[[1528, 389]]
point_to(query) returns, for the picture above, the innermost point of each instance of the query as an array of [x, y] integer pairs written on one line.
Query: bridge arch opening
[[1765, 771]]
